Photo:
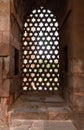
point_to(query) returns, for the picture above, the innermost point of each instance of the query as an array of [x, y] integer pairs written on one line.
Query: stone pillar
[[78, 63], [66, 55], [78, 55], [15, 43]]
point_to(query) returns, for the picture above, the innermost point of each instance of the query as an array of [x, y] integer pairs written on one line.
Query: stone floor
[[38, 112], [42, 125], [4, 128]]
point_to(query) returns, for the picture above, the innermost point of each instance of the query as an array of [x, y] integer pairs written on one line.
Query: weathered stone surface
[[78, 12], [15, 41], [16, 32], [78, 102], [1, 62], [4, 128], [6, 67], [62, 125], [16, 83], [78, 81], [45, 125], [4, 93], [4, 85], [20, 122], [60, 115], [77, 66], [3, 113], [4, 27], [4, 23], [4, 49], [4, 14], [6, 37], [1, 37], [50, 107], [4, 43], [79, 120], [4, 4]]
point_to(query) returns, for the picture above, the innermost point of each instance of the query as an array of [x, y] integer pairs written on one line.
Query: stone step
[[42, 115], [40, 108], [19, 124], [37, 112]]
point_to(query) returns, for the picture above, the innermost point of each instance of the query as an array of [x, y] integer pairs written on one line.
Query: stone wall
[[78, 55], [78, 63], [10, 39], [72, 33], [66, 52], [15, 43], [5, 80]]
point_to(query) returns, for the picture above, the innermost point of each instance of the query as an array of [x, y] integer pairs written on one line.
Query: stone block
[[6, 5], [78, 81], [3, 93], [78, 8], [6, 85], [78, 102], [4, 128], [4, 23], [6, 37], [38, 124], [31, 115], [6, 67], [17, 122], [47, 125], [78, 120], [3, 112], [4, 49], [78, 37], [4, 102], [4, 14], [77, 66], [4, 27], [4, 43], [16, 32]]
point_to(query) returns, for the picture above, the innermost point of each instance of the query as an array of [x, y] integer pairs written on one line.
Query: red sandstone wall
[[15, 43], [9, 40], [78, 55], [4, 58]]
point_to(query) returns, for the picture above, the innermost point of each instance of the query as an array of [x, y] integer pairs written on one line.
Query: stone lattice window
[[40, 51]]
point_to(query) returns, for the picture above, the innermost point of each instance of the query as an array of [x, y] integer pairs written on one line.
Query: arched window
[[40, 51]]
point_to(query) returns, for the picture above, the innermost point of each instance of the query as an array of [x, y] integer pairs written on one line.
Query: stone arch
[[40, 51]]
